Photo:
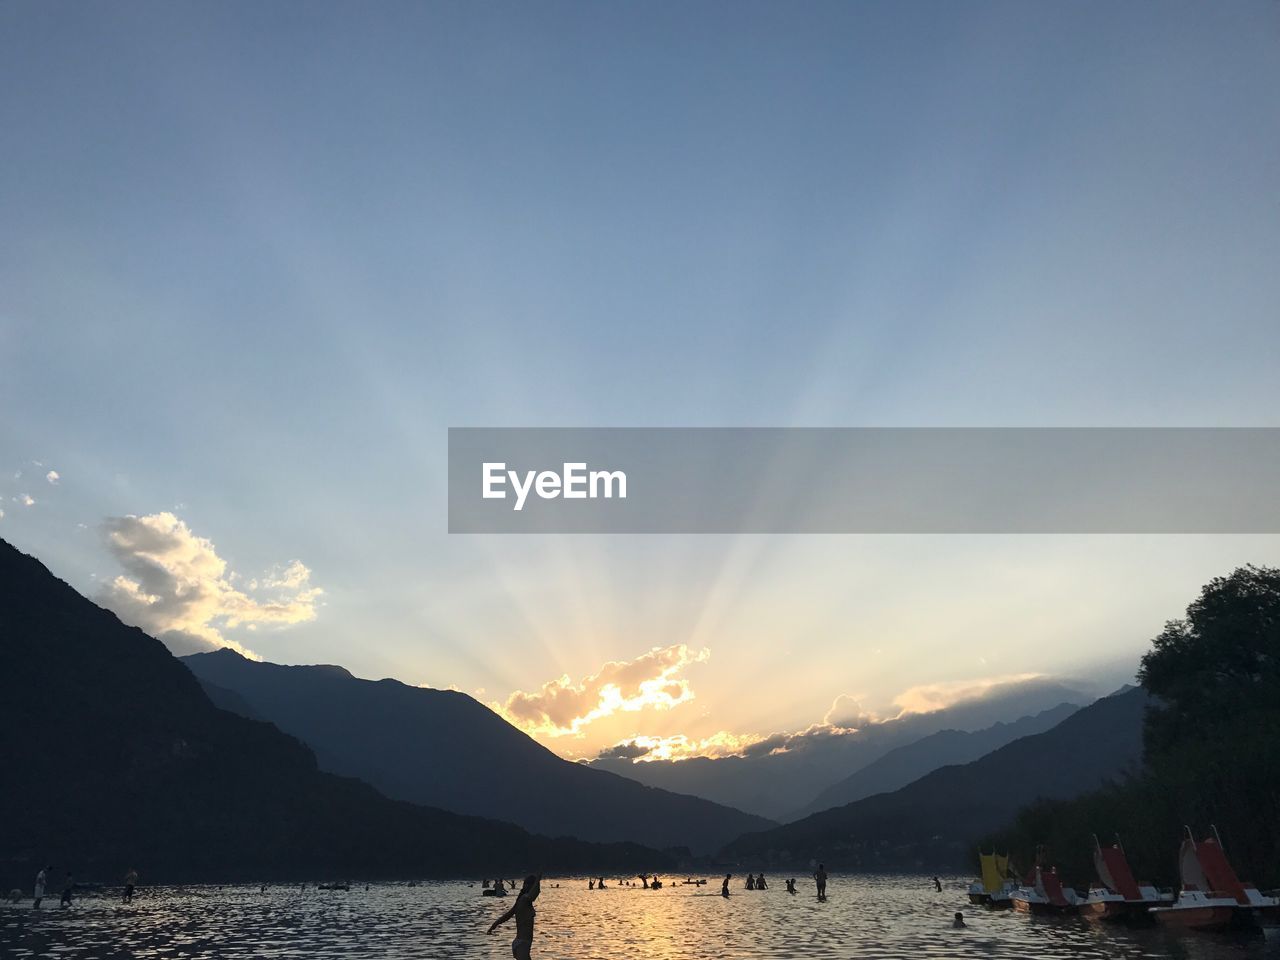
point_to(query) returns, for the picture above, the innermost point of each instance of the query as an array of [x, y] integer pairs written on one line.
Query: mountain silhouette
[[779, 784], [902, 765], [931, 822], [114, 757], [445, 749]]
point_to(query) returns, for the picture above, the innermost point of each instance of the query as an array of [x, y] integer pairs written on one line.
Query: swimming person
[[820, 875], [958, 922], [41, 878], [724, 890], [524, 913], [130, 880]]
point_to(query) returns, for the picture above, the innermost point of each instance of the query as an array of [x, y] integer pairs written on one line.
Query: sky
[[255, 259]]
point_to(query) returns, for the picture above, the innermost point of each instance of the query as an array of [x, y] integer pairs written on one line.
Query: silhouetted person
[[41, 879], [600, 884], [958, 922], [591, 884], [67, 888], [820, 875], [497, 886], [937, 884], [130, 881], [724, 889], [751, 881], [524, 913], [791, 885], [760, 884]]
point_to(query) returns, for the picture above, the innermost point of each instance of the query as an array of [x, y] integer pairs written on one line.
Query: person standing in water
[[131, 880], [41, 879], [524, 913], [937, 884], [820, 875], [724, 889], [67, 889]]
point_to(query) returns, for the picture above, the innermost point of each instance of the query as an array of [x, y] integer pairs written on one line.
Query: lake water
[[864, 916]]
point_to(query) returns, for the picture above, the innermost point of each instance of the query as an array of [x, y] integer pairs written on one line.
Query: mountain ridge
[[121, 760], [777, 784], [911, 761], [444, 748], [931, 822]]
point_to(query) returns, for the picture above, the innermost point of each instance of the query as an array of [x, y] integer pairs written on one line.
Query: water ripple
[[874, 917]]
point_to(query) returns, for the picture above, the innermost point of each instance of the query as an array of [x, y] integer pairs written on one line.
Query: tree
[[1212, 754], [1219, 667]]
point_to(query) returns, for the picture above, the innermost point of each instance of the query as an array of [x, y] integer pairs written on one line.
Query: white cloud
[[930, 697], [563, 706], [680, 747], [53, 476], [845, 718], [177, 588], [846, 713], [26, 500]]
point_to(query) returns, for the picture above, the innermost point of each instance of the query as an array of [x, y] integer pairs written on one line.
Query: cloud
[[1, 514], [26, 500], [53, 476], [846, 713], [651, 681], [627, 750], [845, 718], [930, 697], [719, 744], [177, 588]]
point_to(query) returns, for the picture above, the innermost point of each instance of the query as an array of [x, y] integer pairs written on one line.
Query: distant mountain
[[902, 765], [930, 823], [778, 784], [229, 700], [445, 749], [114, 757]]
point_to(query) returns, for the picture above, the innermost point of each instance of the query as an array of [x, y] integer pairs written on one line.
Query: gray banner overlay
[[865, 480]]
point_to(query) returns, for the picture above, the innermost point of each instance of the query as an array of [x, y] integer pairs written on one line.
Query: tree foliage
[[1211, 745]]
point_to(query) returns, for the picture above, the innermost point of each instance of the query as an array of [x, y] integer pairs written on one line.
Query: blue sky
[[256, 258]]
